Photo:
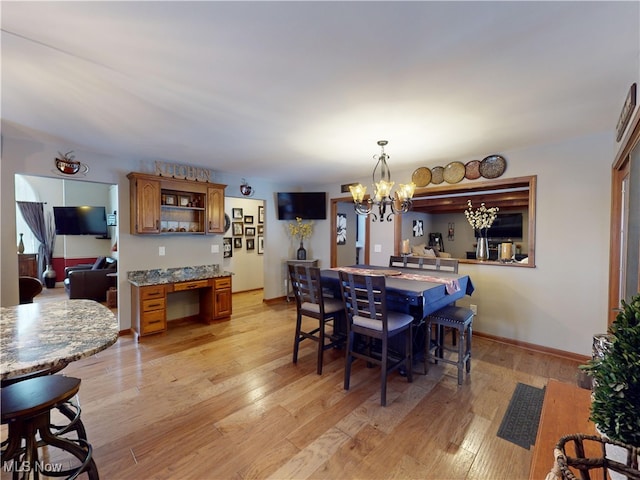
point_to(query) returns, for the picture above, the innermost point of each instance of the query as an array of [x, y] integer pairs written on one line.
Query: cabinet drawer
[[152, 292], [152, 322], [153, 304], [224, 282], [191, 285]]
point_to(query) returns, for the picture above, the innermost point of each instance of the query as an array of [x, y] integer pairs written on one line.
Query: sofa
[[92, 280], [422, 250]]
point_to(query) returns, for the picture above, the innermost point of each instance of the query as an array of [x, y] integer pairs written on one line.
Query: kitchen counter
[[162, 276]]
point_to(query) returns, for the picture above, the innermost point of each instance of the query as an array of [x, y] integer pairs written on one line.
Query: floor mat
[[520, 422]]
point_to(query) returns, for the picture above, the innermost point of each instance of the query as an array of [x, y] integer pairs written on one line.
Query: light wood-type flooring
[[225, 401]]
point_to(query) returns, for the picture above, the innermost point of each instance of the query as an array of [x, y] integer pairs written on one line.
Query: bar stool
[[456, 318], [26, 408]]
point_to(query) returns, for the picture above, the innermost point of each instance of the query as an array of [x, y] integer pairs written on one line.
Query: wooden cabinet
[[145, 195], [148, 309], [215, 210], [222, 297], [28, 265], [161, 205], [149, 303]]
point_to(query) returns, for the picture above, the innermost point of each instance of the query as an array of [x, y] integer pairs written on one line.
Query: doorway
[[349, 234]]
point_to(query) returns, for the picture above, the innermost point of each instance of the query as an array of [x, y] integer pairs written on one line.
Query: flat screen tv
[[80, 221], [306, 205], [506, 225]]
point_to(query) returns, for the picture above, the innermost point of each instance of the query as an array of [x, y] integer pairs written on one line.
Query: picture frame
[[236, 213], [170, 199], [418, 228], [184, 201], [237, 242], [341, 229], [248, 219], [261, 214], [260, 230], [251, 245], [249, 232], [238, 228], [227, 248], [260, 244]]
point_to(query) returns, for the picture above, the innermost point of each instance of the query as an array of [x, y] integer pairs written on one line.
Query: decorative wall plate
[[227, 223], [421, 177], [437, 175], [472, 170], [493, 166], [454, 172]]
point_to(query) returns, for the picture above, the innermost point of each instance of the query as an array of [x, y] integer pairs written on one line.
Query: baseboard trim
[[534, 348]]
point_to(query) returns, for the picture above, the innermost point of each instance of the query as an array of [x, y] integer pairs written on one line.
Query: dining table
[[418, 292], [50, 335]]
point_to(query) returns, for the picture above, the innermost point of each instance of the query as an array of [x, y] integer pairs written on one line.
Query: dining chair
[[310, 302], [459, 319], [365, 302]]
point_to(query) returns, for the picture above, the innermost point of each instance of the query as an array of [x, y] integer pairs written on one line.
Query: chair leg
[[383, 368], [320, 347], [469, 331], [296, 341], [348, 360], [461, 355], [427, 347], [409, 351]]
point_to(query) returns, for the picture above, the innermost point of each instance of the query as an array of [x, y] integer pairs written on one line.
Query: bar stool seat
[[26, 408], [456, 318]]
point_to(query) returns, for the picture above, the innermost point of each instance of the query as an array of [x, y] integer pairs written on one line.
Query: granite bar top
[[38, 336], [159, 276]]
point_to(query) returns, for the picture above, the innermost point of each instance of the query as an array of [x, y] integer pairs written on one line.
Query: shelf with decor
[[164, 206]]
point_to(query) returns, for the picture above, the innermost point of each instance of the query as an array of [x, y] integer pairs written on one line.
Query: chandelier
[[399, 202]]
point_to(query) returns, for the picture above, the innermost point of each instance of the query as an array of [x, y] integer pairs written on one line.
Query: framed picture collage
[[247, 227]]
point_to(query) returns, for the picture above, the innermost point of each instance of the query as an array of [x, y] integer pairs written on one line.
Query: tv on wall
[[306, 205], [506, 225], [80, 220]]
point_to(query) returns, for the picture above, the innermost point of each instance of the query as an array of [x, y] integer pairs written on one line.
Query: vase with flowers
[[299, 231], [481, 219]]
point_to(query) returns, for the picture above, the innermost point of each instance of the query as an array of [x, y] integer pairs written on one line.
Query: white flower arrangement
[[481, 217]]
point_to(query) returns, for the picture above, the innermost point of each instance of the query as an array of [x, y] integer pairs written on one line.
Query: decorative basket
[[565, 465]]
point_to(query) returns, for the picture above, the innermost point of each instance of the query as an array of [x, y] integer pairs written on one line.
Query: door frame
[[620, 170], [334, 225]]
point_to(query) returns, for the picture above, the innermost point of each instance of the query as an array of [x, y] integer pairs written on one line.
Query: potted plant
[[615, 406]]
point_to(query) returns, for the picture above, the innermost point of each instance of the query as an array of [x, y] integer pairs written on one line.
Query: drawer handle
[[192, 286], [154, 305], [154, 294], [155, 321]]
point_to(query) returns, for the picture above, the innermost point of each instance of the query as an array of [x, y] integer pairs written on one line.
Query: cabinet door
[[222, 306], [215, 210], [147, 206]]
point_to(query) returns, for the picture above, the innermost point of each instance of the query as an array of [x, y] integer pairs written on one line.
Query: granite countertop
[[39, 336], [160, 276]]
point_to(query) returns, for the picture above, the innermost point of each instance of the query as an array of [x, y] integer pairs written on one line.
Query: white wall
[[247, 265], [559, 304]]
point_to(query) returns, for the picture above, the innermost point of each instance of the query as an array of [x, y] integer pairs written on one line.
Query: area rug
[[520, 422]]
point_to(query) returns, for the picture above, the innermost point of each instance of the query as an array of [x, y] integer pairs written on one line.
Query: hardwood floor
[[224, 401]]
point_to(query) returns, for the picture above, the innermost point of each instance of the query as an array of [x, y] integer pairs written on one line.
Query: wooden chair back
[[306, 286], [364, 298]]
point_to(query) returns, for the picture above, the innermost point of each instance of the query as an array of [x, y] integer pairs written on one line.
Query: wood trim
[[535, 348], [619, 170]]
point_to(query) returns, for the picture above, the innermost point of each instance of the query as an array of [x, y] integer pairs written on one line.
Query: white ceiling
[[301, 91]]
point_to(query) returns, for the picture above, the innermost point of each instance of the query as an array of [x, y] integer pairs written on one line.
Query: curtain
[[33, 214]]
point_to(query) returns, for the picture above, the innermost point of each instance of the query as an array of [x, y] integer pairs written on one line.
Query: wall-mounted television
[[306, 205], [80, 221], [506, 225]]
